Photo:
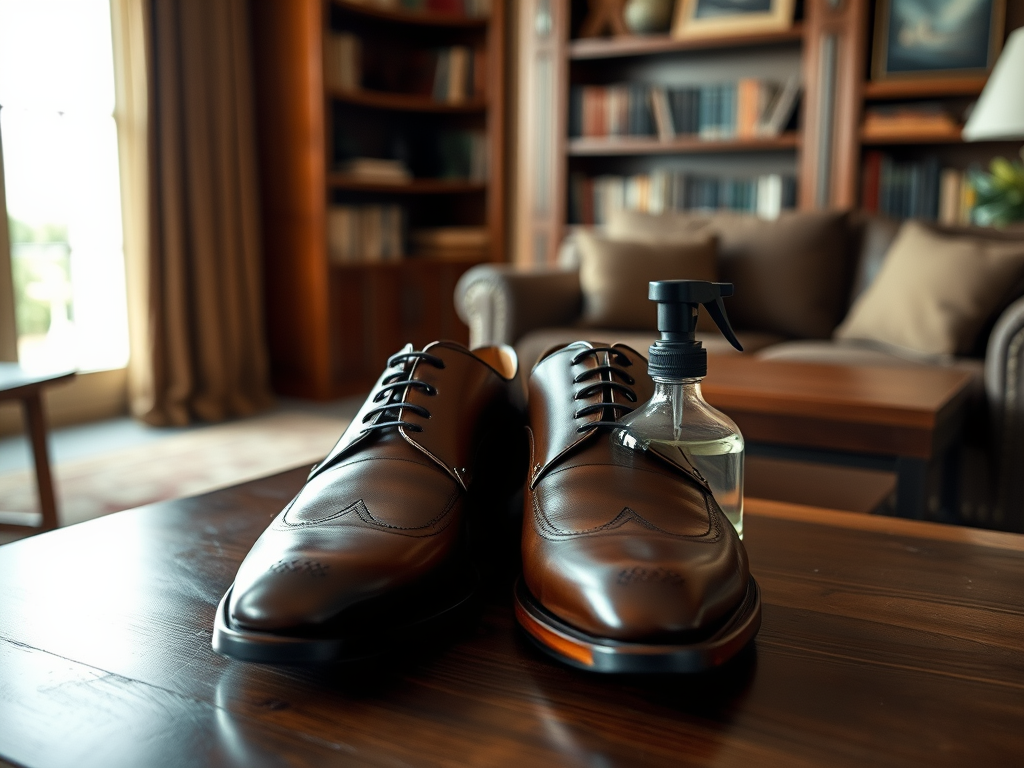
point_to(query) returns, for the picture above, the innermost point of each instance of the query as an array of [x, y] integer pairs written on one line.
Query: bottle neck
[[664, 388]]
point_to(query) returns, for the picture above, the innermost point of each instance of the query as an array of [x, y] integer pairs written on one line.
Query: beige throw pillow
[[614, 275], [792, 274], [934, 293]]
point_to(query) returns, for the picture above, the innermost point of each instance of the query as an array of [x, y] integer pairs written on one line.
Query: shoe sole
[[596, 654], [422, 620]]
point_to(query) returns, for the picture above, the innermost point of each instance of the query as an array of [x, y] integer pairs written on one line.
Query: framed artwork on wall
[[936, 38], [727, 18]]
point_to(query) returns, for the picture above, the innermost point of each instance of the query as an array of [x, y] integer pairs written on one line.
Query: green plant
[[1000, 193]]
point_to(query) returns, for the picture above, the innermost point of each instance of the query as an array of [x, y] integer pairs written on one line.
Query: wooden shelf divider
[[645, 45], [924, 88], [631, 145], [331, 327], [879, 139]]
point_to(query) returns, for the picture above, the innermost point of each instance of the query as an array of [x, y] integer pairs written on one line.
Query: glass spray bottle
[[677, 423]]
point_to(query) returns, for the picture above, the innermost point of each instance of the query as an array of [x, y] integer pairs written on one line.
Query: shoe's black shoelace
[[394, 388], [605, 386]]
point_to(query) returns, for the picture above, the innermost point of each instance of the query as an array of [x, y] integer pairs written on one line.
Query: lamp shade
[[999, 113]]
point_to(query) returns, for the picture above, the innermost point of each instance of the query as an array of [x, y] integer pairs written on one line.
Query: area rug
[[185, 464]]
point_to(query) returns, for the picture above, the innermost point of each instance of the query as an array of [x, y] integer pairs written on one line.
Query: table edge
[[895, 526]]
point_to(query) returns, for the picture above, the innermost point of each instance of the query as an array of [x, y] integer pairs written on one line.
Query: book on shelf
[[450, 242], [593, 199], [343, 54], [458, 74], [452, 75], [361, 234], [920, 189], [744, 109], [461, 155], [779, 109], [915, 121], [376, 170]]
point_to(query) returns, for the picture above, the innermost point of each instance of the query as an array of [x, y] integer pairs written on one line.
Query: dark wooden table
[[884, 642], [904, 420], [18, 384]]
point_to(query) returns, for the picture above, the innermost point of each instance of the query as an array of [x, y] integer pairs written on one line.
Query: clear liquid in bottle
[[680, 425]]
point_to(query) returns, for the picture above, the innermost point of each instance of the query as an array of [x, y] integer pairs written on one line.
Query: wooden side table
[[17, 384], [903, 420]]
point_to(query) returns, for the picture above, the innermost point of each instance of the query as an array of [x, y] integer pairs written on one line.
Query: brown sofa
[[796, 280]]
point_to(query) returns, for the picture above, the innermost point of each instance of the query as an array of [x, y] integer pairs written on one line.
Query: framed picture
[[726, 18], [936, 38]]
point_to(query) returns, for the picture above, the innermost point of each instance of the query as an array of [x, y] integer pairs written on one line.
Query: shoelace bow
[[394, 388], [605, 386]]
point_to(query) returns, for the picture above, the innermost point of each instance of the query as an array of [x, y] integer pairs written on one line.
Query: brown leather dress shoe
[[629, 565], [378, 541]]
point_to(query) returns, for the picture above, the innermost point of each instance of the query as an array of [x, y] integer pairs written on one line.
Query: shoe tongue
[[552, 405]]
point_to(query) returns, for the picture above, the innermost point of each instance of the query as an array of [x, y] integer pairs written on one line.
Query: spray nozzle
[[678, 354]]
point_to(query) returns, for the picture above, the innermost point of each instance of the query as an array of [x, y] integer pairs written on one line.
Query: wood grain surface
[[884, 642], [896, 411]]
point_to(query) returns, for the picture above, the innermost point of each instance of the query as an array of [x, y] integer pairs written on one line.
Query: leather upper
[[385, 509], [619, 544]]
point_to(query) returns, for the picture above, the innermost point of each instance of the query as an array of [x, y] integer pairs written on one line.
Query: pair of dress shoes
[[629, 565]]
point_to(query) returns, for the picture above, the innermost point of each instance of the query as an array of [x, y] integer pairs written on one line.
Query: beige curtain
[[188, 168]]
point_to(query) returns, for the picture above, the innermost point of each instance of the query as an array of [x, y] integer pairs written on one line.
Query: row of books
[[472, 8], [593, 199], [452, 75], [744, 109], [360, 234], [920, 189]]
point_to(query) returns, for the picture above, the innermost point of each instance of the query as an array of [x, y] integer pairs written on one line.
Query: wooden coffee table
[[884, 642], [905, 420]]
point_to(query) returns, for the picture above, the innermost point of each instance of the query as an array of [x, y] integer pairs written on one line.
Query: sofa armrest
[[1004, 386], [500, 302]]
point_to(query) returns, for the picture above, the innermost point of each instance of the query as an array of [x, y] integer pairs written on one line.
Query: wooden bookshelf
[[552, 61], [330, 326], [906, 145], [833, 41], [582, 147]]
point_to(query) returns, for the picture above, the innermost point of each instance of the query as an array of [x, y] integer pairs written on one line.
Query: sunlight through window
[[61, 173]]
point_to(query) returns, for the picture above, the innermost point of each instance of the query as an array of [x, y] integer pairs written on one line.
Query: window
[[61, 178]]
